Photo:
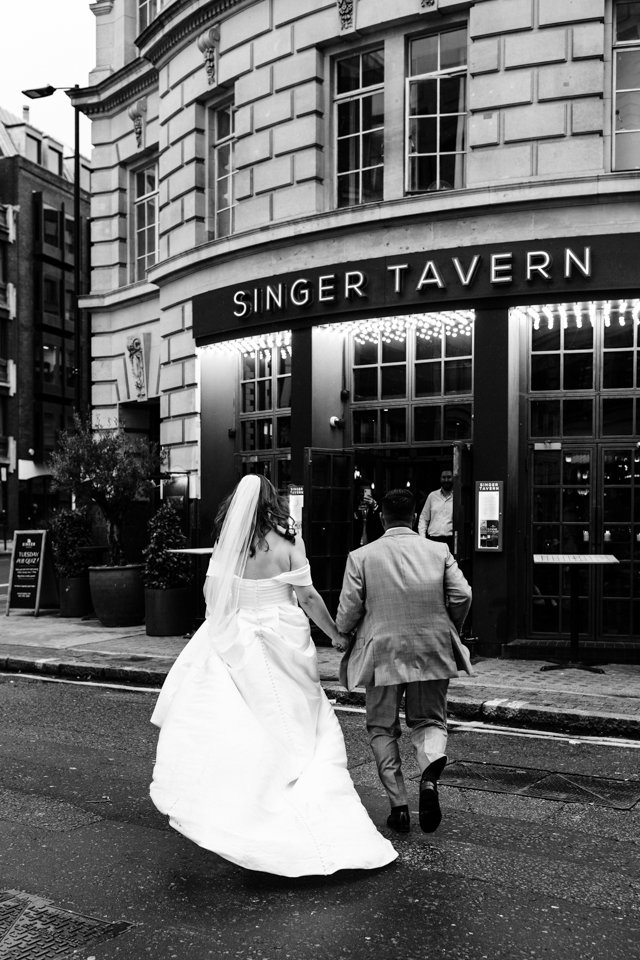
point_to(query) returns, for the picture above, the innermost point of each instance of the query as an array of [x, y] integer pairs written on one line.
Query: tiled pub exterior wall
[[537, 113]]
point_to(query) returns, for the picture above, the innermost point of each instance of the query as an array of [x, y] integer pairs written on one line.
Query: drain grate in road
[[544, 784], [31, 928]]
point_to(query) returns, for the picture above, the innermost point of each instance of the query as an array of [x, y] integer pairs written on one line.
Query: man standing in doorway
[[406, 644], [436, 518]]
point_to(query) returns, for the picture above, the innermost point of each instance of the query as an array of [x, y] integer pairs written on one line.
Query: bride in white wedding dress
[[251, 761]]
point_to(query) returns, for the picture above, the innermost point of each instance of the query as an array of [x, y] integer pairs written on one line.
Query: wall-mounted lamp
[[336, 423]]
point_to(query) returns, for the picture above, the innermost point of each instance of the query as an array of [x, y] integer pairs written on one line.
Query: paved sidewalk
[[510, 692]]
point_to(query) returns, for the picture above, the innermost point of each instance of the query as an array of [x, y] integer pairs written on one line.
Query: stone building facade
[[341, 242]]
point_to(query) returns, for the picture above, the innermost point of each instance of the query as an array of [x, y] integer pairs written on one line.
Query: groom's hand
[[340, 642]]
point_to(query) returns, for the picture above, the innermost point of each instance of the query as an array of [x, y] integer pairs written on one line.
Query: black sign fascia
[[523, 272]]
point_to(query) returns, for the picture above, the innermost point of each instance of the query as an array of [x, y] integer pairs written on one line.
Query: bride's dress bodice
[[256, 594]]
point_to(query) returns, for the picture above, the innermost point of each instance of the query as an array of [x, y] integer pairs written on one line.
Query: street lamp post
[[38, 93]]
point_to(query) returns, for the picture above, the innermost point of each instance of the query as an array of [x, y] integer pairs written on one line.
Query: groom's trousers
[[426, 717]]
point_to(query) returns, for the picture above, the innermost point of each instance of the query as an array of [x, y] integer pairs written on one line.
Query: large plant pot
[[117, 594], [167, 612], [75, 596]]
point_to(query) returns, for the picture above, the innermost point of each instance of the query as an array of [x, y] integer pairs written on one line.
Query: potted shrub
[[166, 576], [70, 532], [111, 469]]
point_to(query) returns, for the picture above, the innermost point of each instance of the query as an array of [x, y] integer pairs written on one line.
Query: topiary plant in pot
[[166, 576], [70, 532], [111, 469]]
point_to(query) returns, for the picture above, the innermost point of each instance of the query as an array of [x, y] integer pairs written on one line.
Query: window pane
[[348, 189], [363, 353], [348, 74], [428, 348], [265, 434], [372, 184], [627, 71], [423, 172], [457, 376], [578, 338], [452, 94], [223, 123], [424, 55], [628, 21], [578, 371], [248, 366], [616, 504], [348, 117], [617, 417], [372, 149], [284, 391], [451, 171], [546, 468], [394, 352], [223, 195], [426, 424], [284, 432], [223, 223], [545, 339], [248, 397], [372, 111], [423, 97], [458, 346], [617, 370], [453, 49], [393, 425], [618, 335], [365, 426], [365, 382], [428, 379], [545, 372], [451, 134], [372, 68], [627, 147], [394, 382], [423, 135], [545, 418], [546, 505], [578, 418], [264, 395], [627, 107], [457, 421], [349, 154]]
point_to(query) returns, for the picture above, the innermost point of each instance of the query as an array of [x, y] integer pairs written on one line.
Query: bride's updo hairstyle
[[272, 513]]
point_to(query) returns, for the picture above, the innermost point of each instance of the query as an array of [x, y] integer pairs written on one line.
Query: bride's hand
[[340, 642]]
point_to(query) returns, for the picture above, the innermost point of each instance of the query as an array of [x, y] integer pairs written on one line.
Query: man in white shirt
[[436, 519]]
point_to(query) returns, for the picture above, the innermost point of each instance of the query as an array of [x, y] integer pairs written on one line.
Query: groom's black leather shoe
[[429, 811], [399, 819]]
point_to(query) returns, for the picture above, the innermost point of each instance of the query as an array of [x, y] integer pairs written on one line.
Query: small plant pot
[[117, 594], [75, 596], [167, 612]]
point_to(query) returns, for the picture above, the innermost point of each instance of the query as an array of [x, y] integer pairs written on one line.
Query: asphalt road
[[505, 877]]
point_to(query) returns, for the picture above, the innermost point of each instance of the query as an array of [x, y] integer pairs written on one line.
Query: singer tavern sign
[[469, 276]]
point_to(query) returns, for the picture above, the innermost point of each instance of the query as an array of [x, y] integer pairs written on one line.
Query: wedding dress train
[[251, 761]]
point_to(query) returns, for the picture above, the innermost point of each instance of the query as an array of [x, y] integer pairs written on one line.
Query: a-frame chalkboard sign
[[32, 581]]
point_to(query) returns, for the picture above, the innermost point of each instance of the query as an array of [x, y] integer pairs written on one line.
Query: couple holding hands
[[251, 761]]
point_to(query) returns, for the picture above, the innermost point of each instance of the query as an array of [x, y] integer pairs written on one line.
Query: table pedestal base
[[571, 666]]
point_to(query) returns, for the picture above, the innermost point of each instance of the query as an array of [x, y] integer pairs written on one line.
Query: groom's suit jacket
[[393, 594]]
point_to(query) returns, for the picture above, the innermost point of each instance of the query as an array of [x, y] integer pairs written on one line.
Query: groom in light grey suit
[[407, 599]]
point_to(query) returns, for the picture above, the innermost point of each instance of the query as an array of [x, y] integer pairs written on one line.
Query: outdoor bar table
[[574, 561]]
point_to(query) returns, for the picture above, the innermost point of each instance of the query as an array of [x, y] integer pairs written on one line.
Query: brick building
[[38, 375], [341, 242]]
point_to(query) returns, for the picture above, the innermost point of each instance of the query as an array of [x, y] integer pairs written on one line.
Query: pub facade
[[349, 246]]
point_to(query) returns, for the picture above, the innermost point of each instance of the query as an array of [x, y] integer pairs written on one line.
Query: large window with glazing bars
[[626, 140], [145, 210], [359, 124], [147, 11], [265, 406], [221, 171], [412, 378], [436, 111]]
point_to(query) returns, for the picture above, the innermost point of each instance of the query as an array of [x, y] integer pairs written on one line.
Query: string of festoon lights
[[426, 326], [552, 315]]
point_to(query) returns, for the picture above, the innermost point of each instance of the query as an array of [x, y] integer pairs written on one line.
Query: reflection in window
[[265, 394], [147, 11]]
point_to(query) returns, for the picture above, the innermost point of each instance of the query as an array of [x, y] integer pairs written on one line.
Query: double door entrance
[[333, 489], [585, 498]]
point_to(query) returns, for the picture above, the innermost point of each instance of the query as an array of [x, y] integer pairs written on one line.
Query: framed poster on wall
[[488, 524]]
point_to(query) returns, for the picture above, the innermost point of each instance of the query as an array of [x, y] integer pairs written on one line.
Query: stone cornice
[[128, 84], [175, 24]]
